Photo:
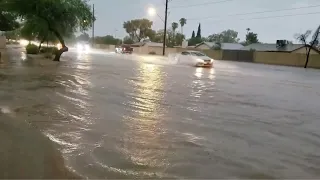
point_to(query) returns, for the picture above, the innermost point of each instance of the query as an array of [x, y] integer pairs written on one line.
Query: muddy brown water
[[115, 116]]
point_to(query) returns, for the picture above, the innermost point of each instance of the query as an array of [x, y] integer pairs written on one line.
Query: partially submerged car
[[124, 49], [194, 58]]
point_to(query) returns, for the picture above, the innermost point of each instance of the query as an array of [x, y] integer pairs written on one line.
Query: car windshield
[[197, 54]]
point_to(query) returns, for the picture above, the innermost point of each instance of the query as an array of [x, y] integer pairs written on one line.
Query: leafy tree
[[7, 20], [228, 36], [179, 37], [248, 30], [171, 38], [158, 36], [27, 31], [193, 35], [251, 38], [303, 38], [183, 21], [150, 34], [34, 29], [62, 17], [138, 29], [127, 40], [199, 31], [108, 39]]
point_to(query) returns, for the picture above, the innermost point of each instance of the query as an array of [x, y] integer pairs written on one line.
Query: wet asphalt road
[[117, 116]]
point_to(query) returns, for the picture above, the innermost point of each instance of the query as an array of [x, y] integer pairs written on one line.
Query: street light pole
[[93, 18], [165, 29]]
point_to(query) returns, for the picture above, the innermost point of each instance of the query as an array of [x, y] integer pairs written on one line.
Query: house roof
[[224, 46], [272, 47]]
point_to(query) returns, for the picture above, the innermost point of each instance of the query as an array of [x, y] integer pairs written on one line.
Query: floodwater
[[118, 116]]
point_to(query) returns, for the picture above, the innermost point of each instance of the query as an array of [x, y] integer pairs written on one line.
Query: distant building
[[149, 44], [280, 46], [224, 46]]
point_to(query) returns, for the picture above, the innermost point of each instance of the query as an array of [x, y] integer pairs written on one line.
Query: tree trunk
[[42, 41], [64, 47], [307, 60], [40, 45]]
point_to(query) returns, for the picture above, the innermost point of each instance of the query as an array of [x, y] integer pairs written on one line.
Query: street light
[[152, 11]]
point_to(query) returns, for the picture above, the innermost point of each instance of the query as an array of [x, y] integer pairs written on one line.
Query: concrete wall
[[2, 42], [303, 51], [287, 59]]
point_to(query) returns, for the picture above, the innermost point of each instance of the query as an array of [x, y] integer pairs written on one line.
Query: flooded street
[[119, 116]]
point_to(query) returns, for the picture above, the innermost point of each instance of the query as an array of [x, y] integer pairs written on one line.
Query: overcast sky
[[214, 16]]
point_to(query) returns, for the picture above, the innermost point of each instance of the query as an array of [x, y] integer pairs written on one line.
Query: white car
[[83, 47], [194, 58]]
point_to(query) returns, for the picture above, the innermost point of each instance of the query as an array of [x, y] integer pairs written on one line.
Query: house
[[224, 46], [147, 43], [280, 46]]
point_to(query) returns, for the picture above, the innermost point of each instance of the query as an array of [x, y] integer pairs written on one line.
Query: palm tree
[[174, 26], [183, 21]]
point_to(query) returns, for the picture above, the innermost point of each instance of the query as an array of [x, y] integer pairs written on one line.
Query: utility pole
[[93, 19], [165, 29]]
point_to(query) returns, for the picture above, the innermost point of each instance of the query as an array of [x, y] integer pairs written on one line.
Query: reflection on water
[[212, 74], [23, 56], [119, 118], [144, 125], [199, 72]]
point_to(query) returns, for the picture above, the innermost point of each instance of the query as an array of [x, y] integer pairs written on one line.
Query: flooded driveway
[[131, 117]]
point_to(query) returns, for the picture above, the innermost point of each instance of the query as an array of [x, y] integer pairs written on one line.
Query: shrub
[[152, 53], [32, 49], [51, 50]]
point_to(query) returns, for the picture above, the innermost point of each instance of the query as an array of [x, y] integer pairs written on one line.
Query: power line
[[271, 17], [257, 12], [202, 4]]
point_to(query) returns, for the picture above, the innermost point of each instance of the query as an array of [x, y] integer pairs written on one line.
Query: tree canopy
[[139, 29], [7, 21], [174, 26], [182, 21], [108, 39], [199, 31], [251, 38], [61, 17], [227, 36]]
